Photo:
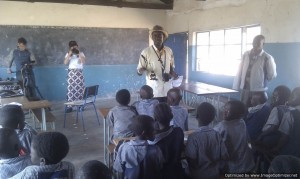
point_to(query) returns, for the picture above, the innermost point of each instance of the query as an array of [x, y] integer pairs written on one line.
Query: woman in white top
[[75, 59]]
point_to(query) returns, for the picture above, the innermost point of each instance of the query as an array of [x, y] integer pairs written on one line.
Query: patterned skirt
[[75, 85]]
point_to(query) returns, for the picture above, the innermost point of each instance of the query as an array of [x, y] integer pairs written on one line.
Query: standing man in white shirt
[[158, 62], [256, 69]]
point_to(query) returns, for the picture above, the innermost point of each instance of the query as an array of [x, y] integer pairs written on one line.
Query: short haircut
[[206, 113], [263, 97], [142, 123], [72, 43], [237, 109], [11, 116], [283, 93], [295, 97], [9, 145], [146, 92], [123, 97], [22, 40], [259, 37], [93, 169], [163, 114], [53, 146], [174, 95]]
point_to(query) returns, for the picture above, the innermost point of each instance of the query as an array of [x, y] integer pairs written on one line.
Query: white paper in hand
[[177, 82]]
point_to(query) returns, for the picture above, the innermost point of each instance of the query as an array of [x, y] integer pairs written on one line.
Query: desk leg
[[218, 107], [44, 127], [104, 136]]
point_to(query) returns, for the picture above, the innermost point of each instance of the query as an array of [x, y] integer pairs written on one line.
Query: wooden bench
[[37, 115], [116, 141], [106, 135]]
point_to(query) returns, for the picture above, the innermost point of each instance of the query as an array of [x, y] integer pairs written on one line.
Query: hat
[[158, 28]]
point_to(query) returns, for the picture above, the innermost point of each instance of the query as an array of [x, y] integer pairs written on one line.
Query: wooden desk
[[30, 105], [198, 89]]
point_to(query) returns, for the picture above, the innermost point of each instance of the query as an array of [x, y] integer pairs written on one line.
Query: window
[[220, 51]]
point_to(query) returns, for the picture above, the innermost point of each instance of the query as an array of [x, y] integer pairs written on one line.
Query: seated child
[[234, 134], [136, 158], [11, 162], [12, 116], [289, 143], [47, 151], [257, 114], [120, 116], [170, 141], [205, 149], [147, 104], [285, 164], [180, 114], [93, 169], [270, 133]]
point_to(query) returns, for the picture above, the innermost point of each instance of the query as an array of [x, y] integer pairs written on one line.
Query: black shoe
[[69, 109]]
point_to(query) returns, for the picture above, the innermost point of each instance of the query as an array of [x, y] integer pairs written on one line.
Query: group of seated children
[[272, 128], [24, 154], [229, 147], [232, 146]]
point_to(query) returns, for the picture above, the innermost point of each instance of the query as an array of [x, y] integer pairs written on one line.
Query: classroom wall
[[52, 80], [279, 23]]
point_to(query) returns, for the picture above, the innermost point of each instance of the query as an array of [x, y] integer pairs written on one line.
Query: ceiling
[[145, 4]]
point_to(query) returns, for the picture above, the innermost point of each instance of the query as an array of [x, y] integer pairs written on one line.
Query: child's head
[[234, 110], [49, 148], [284, 164], [206, 113], [146, 92], [143, 127], [280, 95], [258, 97], [295, 97], [123, 97], [163, 114], [12, 116], [174, 96], [93, 169], [9, 143]]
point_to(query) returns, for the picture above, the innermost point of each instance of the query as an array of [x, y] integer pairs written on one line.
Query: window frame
[[243, 47]]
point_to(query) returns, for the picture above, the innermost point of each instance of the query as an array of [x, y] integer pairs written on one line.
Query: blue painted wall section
[[287, 59], [52, 83], [53, 86]]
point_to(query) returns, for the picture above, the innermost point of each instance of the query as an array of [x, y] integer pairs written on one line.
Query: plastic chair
[[89, 97]]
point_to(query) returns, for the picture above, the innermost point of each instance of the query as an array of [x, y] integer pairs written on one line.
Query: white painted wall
[[53, 14], [279, 19]]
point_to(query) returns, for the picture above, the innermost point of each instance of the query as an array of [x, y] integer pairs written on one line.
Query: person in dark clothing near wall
[[23, 60]]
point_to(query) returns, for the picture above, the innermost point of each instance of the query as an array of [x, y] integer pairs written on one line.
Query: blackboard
[[101, 46]]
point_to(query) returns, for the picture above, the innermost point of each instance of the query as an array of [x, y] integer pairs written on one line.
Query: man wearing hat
[[158, 62]]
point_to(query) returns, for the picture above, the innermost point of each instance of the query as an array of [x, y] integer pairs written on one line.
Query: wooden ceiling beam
[[115, 3]]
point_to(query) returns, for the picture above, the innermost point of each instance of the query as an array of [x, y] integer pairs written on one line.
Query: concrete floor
[[85, 146]]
